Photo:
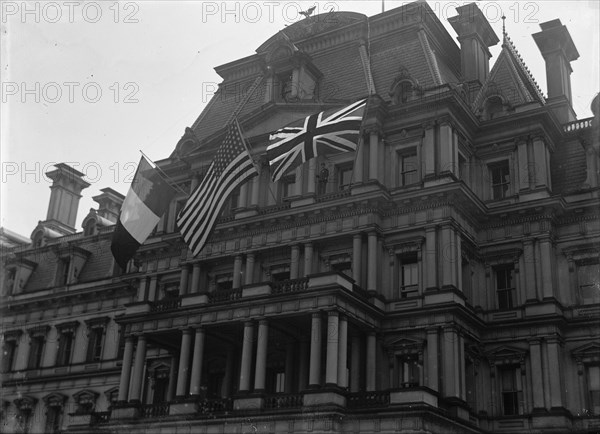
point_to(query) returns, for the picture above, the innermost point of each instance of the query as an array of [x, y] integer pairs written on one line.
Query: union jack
[[325, 133]]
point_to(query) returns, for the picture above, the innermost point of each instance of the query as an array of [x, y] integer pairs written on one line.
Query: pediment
[[587, 353], [507, 354], [55, 399]]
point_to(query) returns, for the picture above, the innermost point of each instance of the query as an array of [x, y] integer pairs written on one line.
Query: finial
[[503, 26]]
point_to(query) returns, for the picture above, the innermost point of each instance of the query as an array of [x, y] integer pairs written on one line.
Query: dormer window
[[493, 108], [9, 281], [284, 86]]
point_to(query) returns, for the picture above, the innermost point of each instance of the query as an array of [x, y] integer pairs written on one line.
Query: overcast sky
[[91, 83]]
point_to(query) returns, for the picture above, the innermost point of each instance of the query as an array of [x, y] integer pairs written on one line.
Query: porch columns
[[197, 359], [126, 369], [314, 377], [371, 361], [261, 356], [195, 278], [308, 258], [184, 360], [249, 277], [357, 258], [184, 280], [152, 288], [246, 356], [355, 364], [372, 262], [237, 271], [331, 371], [295, 261], [342, 370], [138, 369]]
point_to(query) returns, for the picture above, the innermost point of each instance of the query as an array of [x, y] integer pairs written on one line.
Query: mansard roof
[[353, 54]]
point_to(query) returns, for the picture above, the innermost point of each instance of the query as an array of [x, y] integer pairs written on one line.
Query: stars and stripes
[[324, 133], [231, 167]]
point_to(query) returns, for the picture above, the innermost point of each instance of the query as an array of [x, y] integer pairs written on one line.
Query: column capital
[[186, 330], [332, 313], [432, 329], [263, 321], [317, 314]]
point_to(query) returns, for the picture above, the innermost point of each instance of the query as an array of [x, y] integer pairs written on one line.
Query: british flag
[[325, 133]]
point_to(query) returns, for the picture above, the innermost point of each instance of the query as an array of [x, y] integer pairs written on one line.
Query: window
[[408, 276], [160, 384], [65, 348], [285, 83], [53, 419], [112, 396], [588, 277], [500, 179], [323, 179], [35, 352], [9, 281], [512, 390], [505, 288], [342, 267], [63, 271], [95, 342], [280, 274], [593, 386], [288, 184], [224, 281], [9, 349], [345, 177], [408, 165], [408, 370]]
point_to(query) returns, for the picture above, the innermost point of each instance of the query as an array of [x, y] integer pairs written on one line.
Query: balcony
[[283, 402], [165, 304], [368, 399], [154, 410]]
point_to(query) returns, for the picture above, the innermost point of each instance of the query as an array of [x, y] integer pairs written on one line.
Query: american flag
[[325, 133], [231, 167]]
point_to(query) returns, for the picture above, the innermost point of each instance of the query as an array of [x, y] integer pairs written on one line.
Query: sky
[[92, 83]]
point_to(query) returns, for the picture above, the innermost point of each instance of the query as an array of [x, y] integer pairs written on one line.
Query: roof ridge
[[430, 57]]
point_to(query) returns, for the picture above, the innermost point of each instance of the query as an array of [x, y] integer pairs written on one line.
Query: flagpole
[[172, 182]]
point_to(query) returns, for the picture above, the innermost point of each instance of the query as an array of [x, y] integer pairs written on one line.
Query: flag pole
[[246, 144], [170, 180]]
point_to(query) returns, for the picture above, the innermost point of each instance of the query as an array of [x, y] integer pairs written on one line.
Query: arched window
[[493, 107]]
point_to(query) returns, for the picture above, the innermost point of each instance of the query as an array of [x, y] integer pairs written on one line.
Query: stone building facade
[[443, 278]]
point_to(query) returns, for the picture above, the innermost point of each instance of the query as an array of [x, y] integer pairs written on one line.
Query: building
[[443, 278]]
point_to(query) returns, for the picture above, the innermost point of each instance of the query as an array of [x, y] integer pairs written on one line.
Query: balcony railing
[[368, 399], [292, 285], [221, 295], [165, 304], [578, 125], [273, 402], [208, 407], [154, 410]]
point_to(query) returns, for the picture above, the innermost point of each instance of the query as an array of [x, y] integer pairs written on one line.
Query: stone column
[[183, 279], [547, 264], [172, 379], [372, 262], [528, 269], [138, 369], [261, 356], [432, 359], [243, 197], [331, 371], [445, 147], [430, 258], [142, 289], [237, 271], [295, 262], [246, 356], [359, 162], [184, 360], [343, 352], [255, 191], [314, 378], [355, 364], [126, 369], [357, 258], [447, 256], [374, 155], [555, 367], [450, 372], [197, 359], [289, 367], [541, 166], [371, 362], [152, 288], [312, 173], [523, 162], [428, 149], [195, 288], [249, 278], [308, 258], [537, 381]]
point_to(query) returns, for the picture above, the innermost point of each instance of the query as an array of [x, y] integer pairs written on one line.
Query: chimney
[[475, 36], [109, 204], [64, 198], [558, 50]]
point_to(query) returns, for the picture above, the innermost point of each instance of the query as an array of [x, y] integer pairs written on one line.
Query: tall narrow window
[[95, 341], [344, 177], [63, 271], [512, 390], [408, 276], [53, 419], [408, 168], [505, 287], [9, 281], [65, 348], [500, 179], [288, 185], [35, 352], [408, 370], [9, 349]]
